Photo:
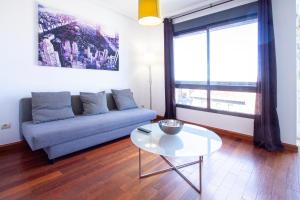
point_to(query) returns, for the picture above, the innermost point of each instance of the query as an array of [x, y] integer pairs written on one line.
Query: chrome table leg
[[176, 169]]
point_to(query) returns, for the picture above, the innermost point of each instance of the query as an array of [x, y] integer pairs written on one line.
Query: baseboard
[[236, 135], [12, 146], [244, 137], [290, 147]]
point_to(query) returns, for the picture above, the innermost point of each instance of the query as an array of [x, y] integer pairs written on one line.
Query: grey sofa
[[62, 137]]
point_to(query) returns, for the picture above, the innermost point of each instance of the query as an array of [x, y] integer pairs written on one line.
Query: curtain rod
[[201, 9]]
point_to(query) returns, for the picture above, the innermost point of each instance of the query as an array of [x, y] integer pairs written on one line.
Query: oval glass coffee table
[[191, 141]]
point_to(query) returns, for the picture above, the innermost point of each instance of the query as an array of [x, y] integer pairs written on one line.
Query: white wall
[[284, 13], [19, 73], [284, 24], [298, 65], [153, 45]]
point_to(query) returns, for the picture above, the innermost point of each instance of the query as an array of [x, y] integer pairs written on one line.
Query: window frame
[[216, 86]]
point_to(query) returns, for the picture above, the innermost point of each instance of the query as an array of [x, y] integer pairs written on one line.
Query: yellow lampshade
[[149, 12]]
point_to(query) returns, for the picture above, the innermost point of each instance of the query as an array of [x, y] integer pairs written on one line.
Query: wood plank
[[110, 171], [28, 185], [12, 146]]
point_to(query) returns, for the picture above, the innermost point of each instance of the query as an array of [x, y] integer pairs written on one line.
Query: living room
[[93, 90]]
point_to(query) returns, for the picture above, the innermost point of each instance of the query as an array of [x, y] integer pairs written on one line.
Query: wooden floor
[[110, 171]]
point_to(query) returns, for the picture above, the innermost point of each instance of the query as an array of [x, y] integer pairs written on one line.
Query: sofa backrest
[[25, 107]]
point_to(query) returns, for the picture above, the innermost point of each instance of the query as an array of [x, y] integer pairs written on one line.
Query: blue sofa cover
[[60, 136]]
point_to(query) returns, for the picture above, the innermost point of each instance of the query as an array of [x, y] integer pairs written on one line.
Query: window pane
[[191, 97], [190, 57], [234, 53], [240, 102]]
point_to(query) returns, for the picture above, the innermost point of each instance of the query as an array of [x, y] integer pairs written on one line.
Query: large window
[[216, 68]]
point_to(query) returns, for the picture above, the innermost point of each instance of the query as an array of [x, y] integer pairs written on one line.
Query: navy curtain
[[169, 70], [266, 124]]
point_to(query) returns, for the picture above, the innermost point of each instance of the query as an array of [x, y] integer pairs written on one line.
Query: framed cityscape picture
[[69, 42]]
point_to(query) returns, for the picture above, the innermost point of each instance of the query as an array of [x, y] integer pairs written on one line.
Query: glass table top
[[190, 141]]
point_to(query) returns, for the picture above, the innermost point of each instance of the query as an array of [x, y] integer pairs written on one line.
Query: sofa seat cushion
[[56, 132]]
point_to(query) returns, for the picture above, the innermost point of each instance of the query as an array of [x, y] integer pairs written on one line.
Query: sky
[[233, 54]]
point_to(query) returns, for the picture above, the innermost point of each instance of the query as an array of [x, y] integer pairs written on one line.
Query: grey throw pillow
[[94, 103], [124, 99], [51, 106]]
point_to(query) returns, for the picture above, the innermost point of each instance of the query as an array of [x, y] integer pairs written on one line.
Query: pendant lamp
[[149, 13]]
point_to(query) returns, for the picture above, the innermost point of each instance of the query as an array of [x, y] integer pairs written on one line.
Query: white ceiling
[[168, 7]]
